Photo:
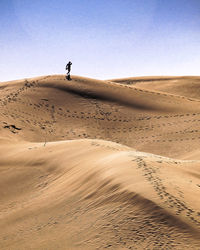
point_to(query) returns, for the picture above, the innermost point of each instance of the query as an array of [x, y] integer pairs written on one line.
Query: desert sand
[[93, 164]]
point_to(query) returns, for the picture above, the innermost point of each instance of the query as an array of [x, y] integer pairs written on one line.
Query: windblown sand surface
[[89, 164]]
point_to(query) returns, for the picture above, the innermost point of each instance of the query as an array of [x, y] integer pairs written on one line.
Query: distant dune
[[90, 164], [188, 86]]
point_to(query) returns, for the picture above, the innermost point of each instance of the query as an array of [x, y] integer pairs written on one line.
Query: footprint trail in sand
[[90, 164]]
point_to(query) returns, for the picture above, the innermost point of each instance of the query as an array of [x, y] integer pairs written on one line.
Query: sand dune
[[90, 164], [188, 86]]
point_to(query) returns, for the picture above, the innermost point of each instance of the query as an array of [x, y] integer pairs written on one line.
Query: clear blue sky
[[102, 38]]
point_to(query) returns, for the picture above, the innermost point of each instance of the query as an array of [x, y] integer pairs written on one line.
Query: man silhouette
[[68, 68]]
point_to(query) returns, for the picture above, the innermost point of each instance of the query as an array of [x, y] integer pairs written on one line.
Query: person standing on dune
[[68, 68]]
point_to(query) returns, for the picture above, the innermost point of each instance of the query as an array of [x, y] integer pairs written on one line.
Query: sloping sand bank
[[88, 164]]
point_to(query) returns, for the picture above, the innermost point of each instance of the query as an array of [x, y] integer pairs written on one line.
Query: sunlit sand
[[92, 164]]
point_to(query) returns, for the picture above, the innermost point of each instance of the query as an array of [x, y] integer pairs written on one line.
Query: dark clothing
[[68, 68]]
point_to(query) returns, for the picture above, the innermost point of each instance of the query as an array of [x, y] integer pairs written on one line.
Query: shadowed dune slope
[[90, 164]]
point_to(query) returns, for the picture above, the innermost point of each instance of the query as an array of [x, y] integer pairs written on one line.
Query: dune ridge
[[187, 86], [90, 164]]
